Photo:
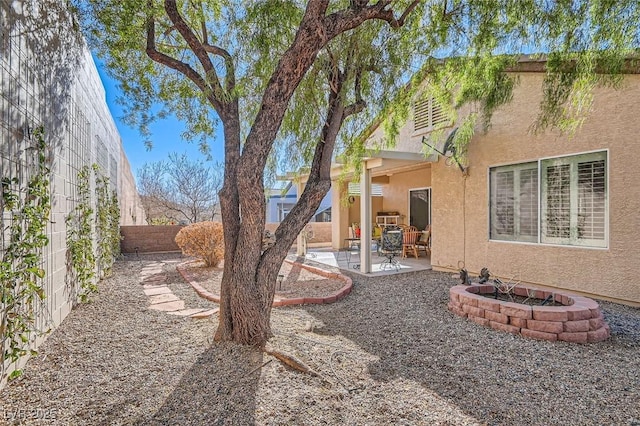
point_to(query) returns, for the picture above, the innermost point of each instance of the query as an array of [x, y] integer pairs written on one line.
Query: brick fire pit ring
[[578, 320]]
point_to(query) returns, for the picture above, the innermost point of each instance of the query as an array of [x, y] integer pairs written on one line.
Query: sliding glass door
[[420, 207]]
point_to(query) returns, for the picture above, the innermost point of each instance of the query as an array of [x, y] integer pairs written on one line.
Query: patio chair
[[424, 242], [409, 240], [391, 247]]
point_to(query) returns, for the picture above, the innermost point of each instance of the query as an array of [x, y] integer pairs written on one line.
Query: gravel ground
[[294, 281], [388, 354]]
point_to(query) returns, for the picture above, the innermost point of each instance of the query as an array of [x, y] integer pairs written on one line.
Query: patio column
[[339, 214], [365, 220], [301, 247]]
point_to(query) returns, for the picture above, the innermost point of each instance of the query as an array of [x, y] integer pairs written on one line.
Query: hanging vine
[[107, 224], [81, 258], [114, 224], [27, 210]]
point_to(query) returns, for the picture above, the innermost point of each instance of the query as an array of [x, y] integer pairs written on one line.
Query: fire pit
[[576, 319]]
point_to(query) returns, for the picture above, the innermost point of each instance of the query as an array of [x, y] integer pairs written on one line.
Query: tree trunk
[[249, 278], [248, 282]]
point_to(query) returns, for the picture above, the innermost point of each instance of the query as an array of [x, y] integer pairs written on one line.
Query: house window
[[569, 208], [427, 114], [514, 202], [354, 189], [574, 200], [283, 210]]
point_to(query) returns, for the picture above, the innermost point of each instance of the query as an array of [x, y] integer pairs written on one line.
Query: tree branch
[[359, 104], [347, 19], [319, 180], [230, 77], [197, 48], [182, 67]]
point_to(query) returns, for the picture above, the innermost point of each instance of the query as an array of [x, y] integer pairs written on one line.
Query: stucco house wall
[[460, 212], [395, 194]]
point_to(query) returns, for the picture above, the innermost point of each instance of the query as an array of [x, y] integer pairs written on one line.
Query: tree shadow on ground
[[404, 322], [219, 389]]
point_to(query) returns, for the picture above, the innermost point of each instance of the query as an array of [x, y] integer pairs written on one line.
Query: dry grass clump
[[203, 240]]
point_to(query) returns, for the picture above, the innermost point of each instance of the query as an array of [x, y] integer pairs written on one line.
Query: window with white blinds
[[354, 189], [427, 114], [574, 200], [514, 202], [569, 208]]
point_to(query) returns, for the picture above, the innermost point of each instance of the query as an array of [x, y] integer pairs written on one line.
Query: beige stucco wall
[[354, 209], [406, 141], [460, 205], [321, 231], [396, 193]]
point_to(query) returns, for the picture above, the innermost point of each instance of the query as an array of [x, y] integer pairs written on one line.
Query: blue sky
[[165, 134]]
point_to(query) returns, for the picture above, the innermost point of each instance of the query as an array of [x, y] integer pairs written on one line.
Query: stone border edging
[[578, 320], [282, 301]]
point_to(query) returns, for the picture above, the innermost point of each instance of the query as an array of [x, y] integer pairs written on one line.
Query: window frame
[[572, 161], [516, 236], [573, 241]]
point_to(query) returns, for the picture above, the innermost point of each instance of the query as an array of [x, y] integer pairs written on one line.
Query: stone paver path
[[161, 298]]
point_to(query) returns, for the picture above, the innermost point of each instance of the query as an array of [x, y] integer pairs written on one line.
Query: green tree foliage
[[291, 82]]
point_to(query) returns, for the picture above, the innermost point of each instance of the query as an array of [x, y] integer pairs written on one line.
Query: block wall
[[149, 238], [48, 79]]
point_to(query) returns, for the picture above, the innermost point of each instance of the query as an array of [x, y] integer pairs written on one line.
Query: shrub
[[203, 240]]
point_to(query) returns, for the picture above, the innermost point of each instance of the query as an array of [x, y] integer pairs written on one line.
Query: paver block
[[162, 298], [578, 337], [458, 312], [563, 299], [154, 279], [470, 310], [576, 326], [596, 323], [546, 326], [157, 290], [504, 327], [516, 310], [577, 313], [479, 320], [539, 335], [496, 317], [205, 314], [489, 305], [168, 306], [518, 322], [598, 335], [549, 313], [585, 302], [468, 299], [187, 312]]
